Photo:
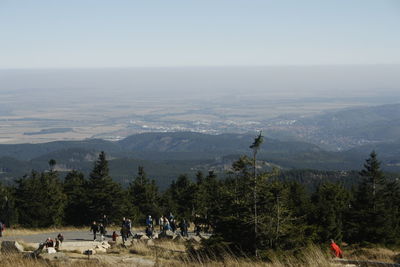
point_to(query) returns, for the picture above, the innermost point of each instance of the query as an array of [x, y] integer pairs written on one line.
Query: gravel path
[[69, 236]]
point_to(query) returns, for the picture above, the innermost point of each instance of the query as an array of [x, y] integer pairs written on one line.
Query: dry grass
[[34, 231], [17, 260], [379, 254], [169, 253]]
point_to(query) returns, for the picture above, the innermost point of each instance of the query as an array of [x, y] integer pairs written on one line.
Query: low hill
[[166, 155]]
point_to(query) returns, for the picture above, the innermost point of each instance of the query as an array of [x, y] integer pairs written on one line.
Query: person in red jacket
[[336, 249]]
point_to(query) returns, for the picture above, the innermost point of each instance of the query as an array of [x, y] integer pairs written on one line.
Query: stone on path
[[11, 247], [50, 250]]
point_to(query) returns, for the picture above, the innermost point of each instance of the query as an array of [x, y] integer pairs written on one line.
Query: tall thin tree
[[258, 140]]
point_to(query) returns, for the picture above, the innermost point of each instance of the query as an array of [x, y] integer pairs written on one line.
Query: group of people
[[100, 228], [50, 243], [126, 228]]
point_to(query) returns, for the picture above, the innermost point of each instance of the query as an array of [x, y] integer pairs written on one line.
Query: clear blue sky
[[96, 33]]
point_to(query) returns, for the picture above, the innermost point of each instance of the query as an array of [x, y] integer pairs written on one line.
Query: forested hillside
[[167, 155]]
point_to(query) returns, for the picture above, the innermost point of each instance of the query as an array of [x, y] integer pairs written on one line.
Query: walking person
[[184, 228], [161, 223], [149, 221], [95, 229], [129, 227], [102, 230], [104, 221], [1, 228]]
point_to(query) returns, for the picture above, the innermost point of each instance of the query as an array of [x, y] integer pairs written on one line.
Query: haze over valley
[[288, 103]]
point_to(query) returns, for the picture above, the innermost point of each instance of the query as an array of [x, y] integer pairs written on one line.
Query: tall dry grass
[[33, 231]]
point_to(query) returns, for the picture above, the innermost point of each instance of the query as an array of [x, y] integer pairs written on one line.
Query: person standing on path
[[94, 228], [1, 228]]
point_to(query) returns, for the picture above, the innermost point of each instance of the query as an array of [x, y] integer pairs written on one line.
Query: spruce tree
[[143, 194], [369, 219], [105, 197], [40, 200], [330, 204], [76, 205]]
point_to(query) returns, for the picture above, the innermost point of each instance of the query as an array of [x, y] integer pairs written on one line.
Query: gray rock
[[144, 237], [11, 247], [150, 242]]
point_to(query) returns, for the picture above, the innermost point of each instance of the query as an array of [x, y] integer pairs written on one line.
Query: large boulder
[[11, 247], [50, 250]]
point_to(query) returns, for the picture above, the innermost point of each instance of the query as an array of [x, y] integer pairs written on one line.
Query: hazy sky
[[96, 33]]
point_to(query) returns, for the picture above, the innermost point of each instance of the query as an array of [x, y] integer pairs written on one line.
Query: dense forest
[[250, 210]]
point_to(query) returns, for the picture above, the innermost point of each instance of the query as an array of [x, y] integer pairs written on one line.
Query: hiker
[[161, 223], [149, 231], [167, 226], [129, 227], [124, 230], [1, 228], [49, 243], [60, 237], [336, 249], [94, 228], [114, 236], [173, 225], [102, 230], [104, 221], [184, 228], [57, 244], [149, 221], [197, 229]]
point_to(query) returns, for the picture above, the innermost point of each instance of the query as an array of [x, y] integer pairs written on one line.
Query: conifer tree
[[40, 200], [143, 194], [330, 204], [105, 197], [8, 214], [76, 205], [369, 218]]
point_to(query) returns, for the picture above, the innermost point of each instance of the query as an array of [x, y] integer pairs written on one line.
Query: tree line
[[249, 211]]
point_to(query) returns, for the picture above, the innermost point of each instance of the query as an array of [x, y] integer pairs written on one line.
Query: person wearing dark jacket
[[94, 228], [1, 228]]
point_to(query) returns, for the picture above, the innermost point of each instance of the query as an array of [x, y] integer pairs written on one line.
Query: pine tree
[[76, 205], [143, 194], [40, 200], [369, 219], [330, 204], [105, 197], [207, 197], [255, 147], [180, 197], [8, 214]]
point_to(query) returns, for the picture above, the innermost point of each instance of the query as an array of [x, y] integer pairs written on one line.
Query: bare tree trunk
[[255, 204]]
